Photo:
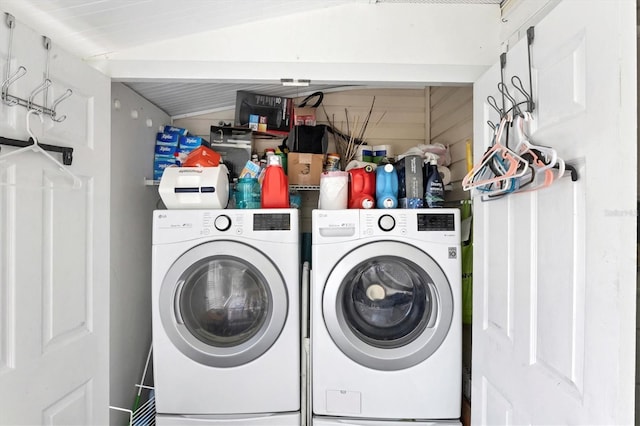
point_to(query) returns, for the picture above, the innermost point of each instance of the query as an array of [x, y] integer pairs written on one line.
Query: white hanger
[[482, 178], [77, 183]]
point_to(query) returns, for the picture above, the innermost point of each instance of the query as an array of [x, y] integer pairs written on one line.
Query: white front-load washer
[[225, 316], [386, 330]]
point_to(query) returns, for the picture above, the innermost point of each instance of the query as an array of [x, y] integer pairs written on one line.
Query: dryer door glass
[[386, 301], [223, 302], [388, 305]]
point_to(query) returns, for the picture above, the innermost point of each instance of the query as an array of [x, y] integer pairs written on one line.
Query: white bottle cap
[[273, 160]]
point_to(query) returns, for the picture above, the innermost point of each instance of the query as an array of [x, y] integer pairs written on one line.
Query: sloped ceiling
[[184, 99], [91, 28]]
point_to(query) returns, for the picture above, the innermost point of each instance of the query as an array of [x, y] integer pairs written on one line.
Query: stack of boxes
[[173, 144]]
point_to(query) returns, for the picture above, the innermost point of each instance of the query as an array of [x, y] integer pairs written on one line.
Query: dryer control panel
[[273, 225]]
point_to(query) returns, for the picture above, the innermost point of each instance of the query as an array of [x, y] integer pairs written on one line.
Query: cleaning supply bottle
[[433, 186], [362, 188], [275, 185], [386, 187]]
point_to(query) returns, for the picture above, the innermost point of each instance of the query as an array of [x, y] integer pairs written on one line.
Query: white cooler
[[195, 187]]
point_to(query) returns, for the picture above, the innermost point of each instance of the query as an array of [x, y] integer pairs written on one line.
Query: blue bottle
[[386, 187], [433, 186]]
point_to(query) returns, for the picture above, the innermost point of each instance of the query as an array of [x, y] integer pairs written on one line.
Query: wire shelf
[[145, 414], [142, 414]]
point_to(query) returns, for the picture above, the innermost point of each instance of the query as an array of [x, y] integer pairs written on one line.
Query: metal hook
[[45, 84], [517, 83], [9, 78], [46, 42], [505, 92], [492, 125], [64, 96], [11, 23], [494, 104], [8, 82]]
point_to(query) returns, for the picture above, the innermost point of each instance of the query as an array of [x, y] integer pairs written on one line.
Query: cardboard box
[[276, 110], [165, 150], [304, 169], [161, 162], [168, 139], [178, 130]]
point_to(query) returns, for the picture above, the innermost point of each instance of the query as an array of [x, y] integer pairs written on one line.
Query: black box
[[410, 182], [276, 109], [234, 156]]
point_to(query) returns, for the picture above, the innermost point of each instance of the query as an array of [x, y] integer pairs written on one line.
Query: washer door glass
[[386, 301], [223, 303], [387, 305]]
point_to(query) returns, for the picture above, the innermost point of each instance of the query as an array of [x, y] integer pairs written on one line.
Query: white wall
[[132, 147], [402, 43]]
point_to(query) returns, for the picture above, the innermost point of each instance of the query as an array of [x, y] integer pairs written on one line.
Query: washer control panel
[[421, 224]]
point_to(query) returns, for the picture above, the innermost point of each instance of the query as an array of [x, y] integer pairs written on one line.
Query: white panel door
[[554, 270], [54, 246]]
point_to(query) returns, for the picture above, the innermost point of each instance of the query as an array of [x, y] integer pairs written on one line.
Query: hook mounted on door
[[10, 79]]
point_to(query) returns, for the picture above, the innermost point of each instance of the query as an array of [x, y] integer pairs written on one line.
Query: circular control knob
[[386, 222], [222, 222]]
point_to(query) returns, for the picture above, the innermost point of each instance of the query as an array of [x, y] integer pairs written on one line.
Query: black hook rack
[[67, 152], [517, 84], [503, 65], [574, 172], [530, 37]]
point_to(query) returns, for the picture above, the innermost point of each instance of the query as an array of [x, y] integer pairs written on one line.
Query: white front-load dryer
[[225, 316], [386, 330]]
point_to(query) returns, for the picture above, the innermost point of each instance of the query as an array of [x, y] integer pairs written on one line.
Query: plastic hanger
[[77, 182], [552, 163], [542, 158], [496, 168]]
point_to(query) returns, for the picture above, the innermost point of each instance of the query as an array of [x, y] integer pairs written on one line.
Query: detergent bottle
[[433, 188], [362, 188], [386, 187], [275, 185]]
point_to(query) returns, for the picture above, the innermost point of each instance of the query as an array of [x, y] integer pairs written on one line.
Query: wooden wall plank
[[458, 150], [451, 124], [464, 113]]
